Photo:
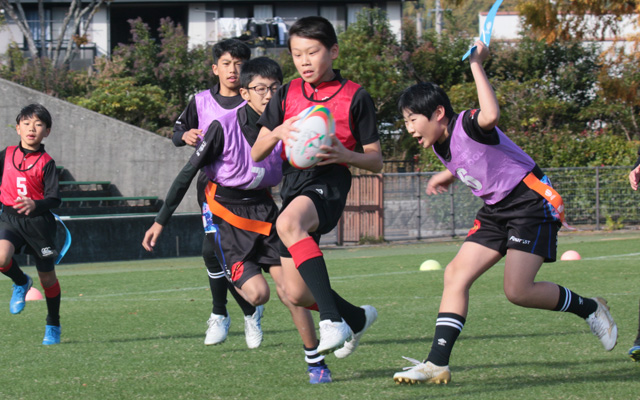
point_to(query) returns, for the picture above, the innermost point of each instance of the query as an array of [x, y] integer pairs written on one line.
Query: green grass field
[[135, 330]]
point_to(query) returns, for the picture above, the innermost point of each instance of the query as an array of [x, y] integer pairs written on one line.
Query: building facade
[[205, 22]]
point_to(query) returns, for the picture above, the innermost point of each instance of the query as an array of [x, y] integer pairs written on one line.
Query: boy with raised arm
[[520, 218]]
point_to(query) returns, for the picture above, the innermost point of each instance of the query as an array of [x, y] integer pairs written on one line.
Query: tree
[[618, 101], [75, 16], [163, 74], [371, 56], [574, 19]]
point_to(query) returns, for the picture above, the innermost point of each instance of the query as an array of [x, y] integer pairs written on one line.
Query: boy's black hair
[[236, 48], [35, 109], [261, 66], [317, 28], [424, 98]]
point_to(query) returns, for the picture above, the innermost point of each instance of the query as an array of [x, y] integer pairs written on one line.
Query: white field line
[[100, 296], [335, 278]]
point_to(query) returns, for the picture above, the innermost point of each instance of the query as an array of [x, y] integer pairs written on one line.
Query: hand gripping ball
[[315, 125]]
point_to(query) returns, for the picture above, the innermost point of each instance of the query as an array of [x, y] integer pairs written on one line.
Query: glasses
[[261, 90]]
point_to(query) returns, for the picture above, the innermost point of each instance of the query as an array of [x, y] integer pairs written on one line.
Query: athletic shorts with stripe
[[328, 188], [35, 235], [523, 220], [242, 253]]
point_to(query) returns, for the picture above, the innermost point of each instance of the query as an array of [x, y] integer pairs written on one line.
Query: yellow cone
[[430, 265]]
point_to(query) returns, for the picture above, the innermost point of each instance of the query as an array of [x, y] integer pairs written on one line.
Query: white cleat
[[253, 328], [350, 346], [332, 335], [217, 330], [602, 324], [423, 372]]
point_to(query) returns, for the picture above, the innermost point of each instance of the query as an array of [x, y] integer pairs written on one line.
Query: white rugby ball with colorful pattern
[[315, 125]]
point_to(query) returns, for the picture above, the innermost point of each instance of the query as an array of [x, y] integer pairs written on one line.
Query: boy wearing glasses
[[204, 107], [242, 211]]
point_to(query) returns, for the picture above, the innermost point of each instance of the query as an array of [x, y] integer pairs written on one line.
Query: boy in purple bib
[[241, 213], [205, 107], [520, 218]]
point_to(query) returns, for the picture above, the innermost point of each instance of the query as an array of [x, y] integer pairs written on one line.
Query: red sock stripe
[[313, 307], [8, 267], [53, 290], [304, 250]]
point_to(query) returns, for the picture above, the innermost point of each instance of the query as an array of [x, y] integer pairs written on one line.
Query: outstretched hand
[[634, 177], [151, 236], [440, 182]]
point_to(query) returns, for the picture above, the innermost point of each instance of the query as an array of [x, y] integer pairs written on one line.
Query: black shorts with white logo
[[242, 253], [523, 220], [35, 235], [327, 186]]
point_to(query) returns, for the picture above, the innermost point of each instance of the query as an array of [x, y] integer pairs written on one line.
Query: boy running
[[28, 191], [241, 208], [313, 199], [520, 218], [634, 178], [204, 107]]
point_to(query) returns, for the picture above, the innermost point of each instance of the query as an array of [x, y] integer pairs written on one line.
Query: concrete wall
[[94, 147]]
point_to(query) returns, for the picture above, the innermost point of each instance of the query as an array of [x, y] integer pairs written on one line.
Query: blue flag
[[485, 36]]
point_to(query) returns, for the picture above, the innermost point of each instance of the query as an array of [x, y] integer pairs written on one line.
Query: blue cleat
[[634, 353], [51, 335], [19, 293], [319, 374]]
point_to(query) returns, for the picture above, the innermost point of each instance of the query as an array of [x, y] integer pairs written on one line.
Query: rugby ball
[[314, 126]]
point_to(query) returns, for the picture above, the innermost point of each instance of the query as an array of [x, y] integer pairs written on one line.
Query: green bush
[[122, 99]]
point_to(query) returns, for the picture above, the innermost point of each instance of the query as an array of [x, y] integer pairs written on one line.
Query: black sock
[[53, 308], [14, 273], [219, 295], [217, 280], [312, 357], [52, 295], [448, 328], [574, 303], [353, 315], [315, 275], [245, 306]]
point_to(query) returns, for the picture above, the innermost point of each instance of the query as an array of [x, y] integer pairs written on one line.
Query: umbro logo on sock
[[442, 342]]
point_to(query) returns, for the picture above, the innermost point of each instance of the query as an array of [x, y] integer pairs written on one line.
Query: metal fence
[[594, 198]]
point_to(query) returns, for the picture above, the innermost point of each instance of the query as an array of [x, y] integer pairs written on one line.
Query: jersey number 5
[[468, 179], [21, 185]]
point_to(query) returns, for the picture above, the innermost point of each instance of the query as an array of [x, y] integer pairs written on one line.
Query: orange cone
[[33, 294], [570, 255]]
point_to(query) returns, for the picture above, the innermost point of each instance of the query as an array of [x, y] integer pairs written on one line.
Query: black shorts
[[35, 235], [328, 188], [242, 253], [523, 220]]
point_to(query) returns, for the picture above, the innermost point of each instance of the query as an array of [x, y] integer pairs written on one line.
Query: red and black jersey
[[352, 108], [30, 174], [337, 96]]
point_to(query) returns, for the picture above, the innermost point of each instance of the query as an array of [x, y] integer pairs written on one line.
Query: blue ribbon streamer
[[485, 36], [67, 241]]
